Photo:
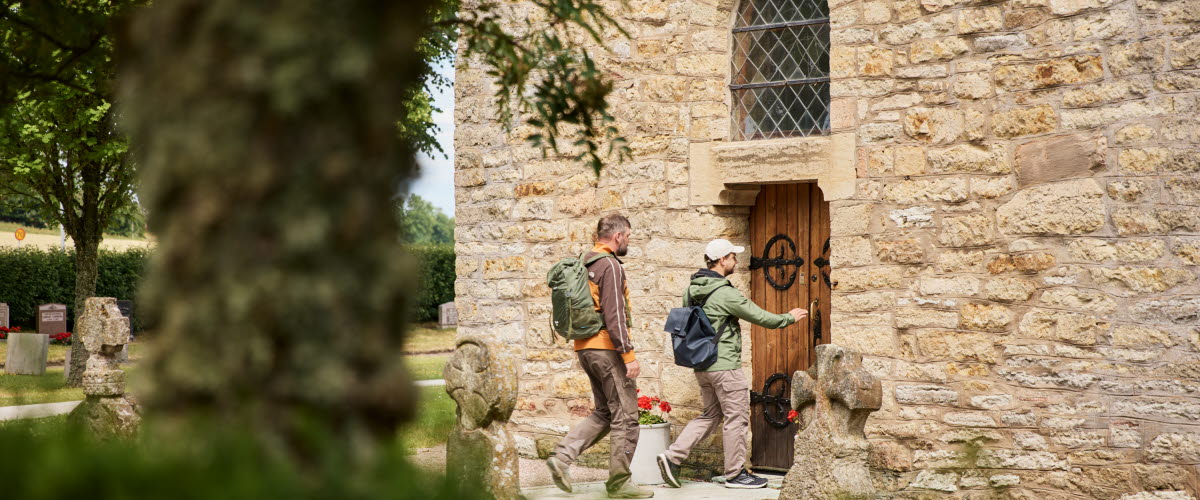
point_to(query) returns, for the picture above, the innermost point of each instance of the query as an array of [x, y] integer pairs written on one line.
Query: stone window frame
[[820, 28]]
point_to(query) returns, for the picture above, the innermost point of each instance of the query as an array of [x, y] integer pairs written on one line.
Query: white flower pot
[[652, 440]]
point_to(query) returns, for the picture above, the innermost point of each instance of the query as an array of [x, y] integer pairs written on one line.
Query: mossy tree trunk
[[266, 135]]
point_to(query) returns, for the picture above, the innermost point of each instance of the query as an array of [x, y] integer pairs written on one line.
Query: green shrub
[[437, 279], [31, 276]]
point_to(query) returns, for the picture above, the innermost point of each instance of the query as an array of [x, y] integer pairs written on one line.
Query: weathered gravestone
[[52, 318], [447, 315], [106, 409], [834, 398], [3, 315], [482, 379], [27, 353]]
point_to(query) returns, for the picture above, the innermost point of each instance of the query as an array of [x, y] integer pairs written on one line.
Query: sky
[[436, 181]]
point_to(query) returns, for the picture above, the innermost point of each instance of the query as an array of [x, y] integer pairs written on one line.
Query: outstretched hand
[[799, 313]]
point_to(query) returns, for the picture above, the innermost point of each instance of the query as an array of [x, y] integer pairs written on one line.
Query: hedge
[[437, 279], [30, 277]]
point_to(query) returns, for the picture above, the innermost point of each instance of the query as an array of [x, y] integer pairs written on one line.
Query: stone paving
[[690, 491]]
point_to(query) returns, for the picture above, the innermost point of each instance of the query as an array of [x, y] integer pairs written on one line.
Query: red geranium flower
[[793, 416], [665, 407], [644, 403]]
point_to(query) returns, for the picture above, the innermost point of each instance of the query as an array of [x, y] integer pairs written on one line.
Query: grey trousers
[[615, 395], [725, 394]]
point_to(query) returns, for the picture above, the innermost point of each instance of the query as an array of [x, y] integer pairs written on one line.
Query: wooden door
[[789, 268]]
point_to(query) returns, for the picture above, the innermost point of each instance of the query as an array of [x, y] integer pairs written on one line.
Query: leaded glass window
[[780, 81]]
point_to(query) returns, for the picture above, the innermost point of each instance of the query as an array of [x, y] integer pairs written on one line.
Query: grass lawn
[[47, 426], [428, 338], [435, 420], [36, 389], [426, 366]]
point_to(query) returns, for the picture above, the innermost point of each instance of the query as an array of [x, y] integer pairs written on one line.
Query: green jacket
[[728, 301]]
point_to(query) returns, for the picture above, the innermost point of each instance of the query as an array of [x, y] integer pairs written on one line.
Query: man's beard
[[623, 250]]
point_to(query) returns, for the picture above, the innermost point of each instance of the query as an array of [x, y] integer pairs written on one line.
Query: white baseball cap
[[720, 248]]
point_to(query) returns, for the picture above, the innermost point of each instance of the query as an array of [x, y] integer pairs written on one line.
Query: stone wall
[[1017, 261]]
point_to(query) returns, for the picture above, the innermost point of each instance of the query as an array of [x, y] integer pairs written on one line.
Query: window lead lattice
[[780, 84]]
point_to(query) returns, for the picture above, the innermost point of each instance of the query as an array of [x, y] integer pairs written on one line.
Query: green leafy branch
[[549, 78]]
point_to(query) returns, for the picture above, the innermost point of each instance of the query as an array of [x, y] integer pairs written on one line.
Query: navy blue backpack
[[692, 336]]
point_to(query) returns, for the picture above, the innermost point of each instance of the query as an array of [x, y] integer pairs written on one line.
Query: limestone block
[[1072, 7], [980, 19], [1077, 299], [1068, 207], [1185, 52], [943, 49], [956, 286], [938, 481], [912, 217], [1140, 336], [1130, 220], [872, 340], [1009, 289], [1184, 191], [934, 125], [996, 43], [1106, 24], [956, 346], [1027, 121], [1188, 250], [1178, 310], [992, 187], [1062, 326], [951, 190], [987, 317], [970, 158], [1107, 91], [911, 317], [1144, 279], [1127, 190], [1086, 118], [1063, 71], [860, 302], [1180, 447], [925, 394], [906, 251], [1059, 157], [27, 353], [965, 231]]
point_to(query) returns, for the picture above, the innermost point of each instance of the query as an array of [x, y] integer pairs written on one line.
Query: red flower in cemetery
[[665, 407], [793, 416], [644, 403], [61, 338]]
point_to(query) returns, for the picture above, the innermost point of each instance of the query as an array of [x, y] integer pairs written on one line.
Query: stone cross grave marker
[[447, 315], [481, 377], [52, 318], [834, 398], [104, 333]]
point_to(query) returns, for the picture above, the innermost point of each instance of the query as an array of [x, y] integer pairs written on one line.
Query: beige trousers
[[615, 395], [725, 394]]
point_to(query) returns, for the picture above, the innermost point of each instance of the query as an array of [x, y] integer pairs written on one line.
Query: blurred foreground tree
[[59, 147], [266, 138]]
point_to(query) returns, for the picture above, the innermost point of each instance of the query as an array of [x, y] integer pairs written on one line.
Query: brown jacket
[[610, 292]]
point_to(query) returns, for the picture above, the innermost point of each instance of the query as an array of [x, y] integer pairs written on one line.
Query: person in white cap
[[723, 386]]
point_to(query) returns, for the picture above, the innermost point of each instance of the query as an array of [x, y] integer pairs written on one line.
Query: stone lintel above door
[[729, 173]]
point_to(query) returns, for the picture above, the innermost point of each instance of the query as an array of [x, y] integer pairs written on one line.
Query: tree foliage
[[421, 223], [59, 146], [547, 75]]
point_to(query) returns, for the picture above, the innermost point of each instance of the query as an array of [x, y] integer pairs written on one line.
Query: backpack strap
[[710, 294], [595, 258]]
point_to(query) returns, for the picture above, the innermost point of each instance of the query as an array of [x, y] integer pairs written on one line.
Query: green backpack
[[574, 316]]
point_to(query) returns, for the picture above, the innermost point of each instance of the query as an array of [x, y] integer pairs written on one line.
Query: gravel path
[[533, 472]]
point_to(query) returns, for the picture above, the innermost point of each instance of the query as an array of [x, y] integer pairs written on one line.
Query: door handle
[[814, 318]]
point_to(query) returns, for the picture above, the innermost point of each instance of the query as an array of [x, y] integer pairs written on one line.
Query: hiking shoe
[[630, 490], [746, 480], [560, 472], [670, 471]]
